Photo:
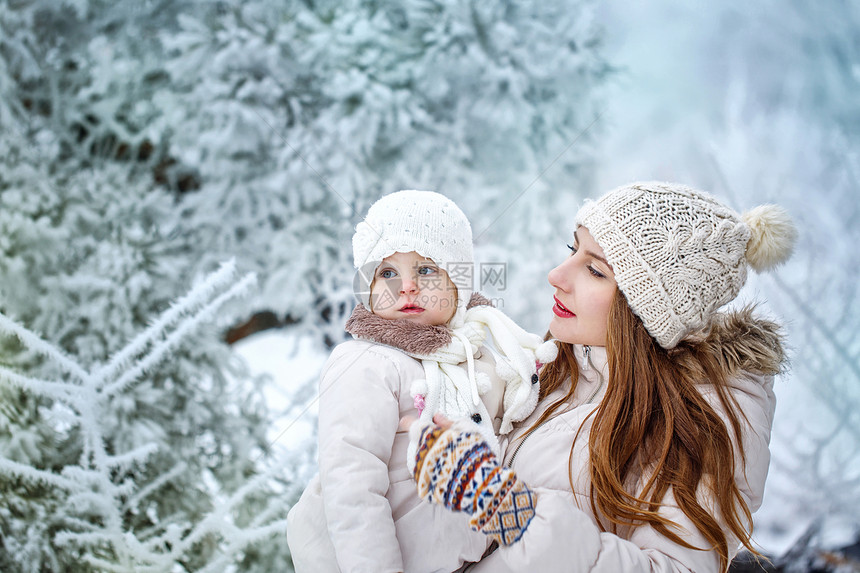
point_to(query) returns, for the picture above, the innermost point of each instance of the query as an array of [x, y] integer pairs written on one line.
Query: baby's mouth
[[411, 309]]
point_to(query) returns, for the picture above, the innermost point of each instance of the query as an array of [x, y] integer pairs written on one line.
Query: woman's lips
[[560, 310]]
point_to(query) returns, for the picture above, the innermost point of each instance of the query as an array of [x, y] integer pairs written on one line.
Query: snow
[[290, 363]]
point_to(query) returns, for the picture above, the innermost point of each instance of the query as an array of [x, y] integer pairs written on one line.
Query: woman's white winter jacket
[[564, 535]]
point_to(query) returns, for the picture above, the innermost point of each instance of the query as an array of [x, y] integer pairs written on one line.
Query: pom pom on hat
[[679, 254], [772, 237]]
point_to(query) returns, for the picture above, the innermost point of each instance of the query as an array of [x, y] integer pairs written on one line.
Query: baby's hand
[[455, 468], [439, 419]]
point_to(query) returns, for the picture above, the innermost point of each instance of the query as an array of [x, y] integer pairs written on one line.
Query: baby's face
[[407, 285]]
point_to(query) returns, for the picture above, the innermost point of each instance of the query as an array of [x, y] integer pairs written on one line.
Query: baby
[[420, 347]]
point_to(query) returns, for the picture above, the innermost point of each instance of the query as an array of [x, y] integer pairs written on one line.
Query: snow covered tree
[[98, 493], [142, 144], [87, 267], [87, 262], [88, 255], [24, 510], [296, 117], [87, 70], [277, 125]]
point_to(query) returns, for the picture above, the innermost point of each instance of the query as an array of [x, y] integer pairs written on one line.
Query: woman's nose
[[557, 277]]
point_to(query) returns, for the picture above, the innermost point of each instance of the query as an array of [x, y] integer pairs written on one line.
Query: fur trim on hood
[[403, 333], [740, 342]]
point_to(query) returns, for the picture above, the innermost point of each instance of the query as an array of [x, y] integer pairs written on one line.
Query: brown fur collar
[[741, 342], [402, 333]]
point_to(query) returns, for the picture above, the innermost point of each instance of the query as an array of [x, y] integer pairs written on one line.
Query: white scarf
[[455, 392]]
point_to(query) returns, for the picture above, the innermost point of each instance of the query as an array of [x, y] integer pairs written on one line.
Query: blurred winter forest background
[[175, 174]]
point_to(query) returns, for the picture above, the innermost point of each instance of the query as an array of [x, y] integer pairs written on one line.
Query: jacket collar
[[402, 333], [743, 342], [593, 373]]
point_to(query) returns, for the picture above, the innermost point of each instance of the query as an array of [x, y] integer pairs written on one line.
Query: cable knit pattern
[[458, 470], [678, 254]]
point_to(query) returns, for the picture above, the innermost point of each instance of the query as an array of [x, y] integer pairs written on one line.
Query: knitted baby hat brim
[[422, 221], [426, 222]]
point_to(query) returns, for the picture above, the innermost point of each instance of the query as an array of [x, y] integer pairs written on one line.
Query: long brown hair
[[654, 423]]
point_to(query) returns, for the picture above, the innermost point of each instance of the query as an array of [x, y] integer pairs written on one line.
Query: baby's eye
[[572, 249], [426, 270], [387, 274]]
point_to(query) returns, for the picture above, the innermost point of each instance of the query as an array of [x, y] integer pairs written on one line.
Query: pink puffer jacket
[[362, 513]]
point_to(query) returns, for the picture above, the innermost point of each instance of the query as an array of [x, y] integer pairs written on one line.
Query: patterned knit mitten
[[458, 470]]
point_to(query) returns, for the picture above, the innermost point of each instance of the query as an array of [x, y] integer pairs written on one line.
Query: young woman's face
[[407, 285], [584, 288]]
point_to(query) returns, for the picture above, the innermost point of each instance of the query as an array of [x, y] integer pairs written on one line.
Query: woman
[[648, 450]]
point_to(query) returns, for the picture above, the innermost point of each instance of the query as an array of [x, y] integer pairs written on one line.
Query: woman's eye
[[595, 272]]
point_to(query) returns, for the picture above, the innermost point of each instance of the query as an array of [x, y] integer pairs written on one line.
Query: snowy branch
[[15, 469], [154, 486], [33, 342], [62, 391], [196, 297], [173, 339]]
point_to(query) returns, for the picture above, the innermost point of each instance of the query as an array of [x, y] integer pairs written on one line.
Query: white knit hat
[[422, 221], [679, 254]]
